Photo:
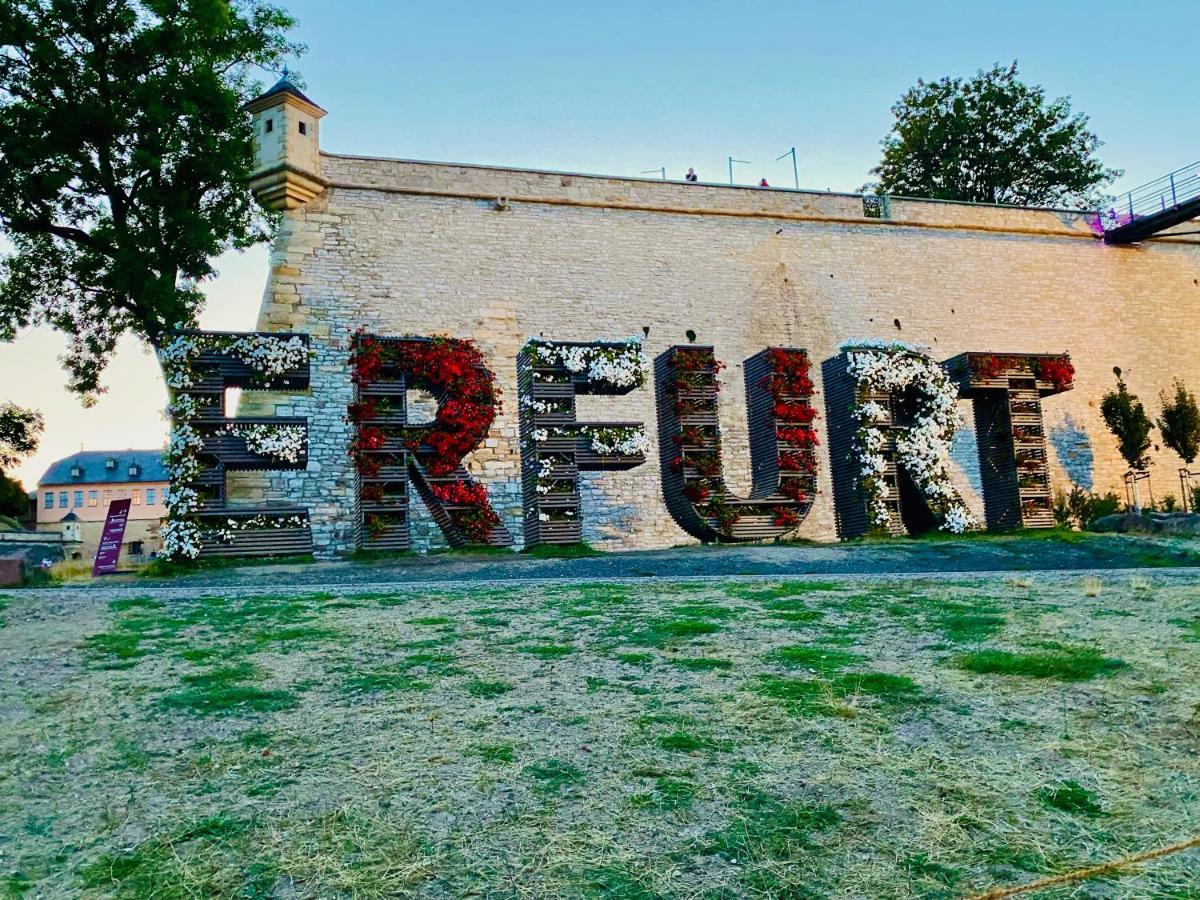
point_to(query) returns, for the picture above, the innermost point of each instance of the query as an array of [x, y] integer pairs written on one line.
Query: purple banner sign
[[110, 541]]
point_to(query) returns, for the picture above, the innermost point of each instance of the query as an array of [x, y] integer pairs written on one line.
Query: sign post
[[111, 539]]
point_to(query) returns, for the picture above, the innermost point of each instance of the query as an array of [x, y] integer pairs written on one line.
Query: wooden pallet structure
[[238, 530], [690, 451], [1007, 391], [383, 489], [555, 447], [850, 507], [401, 460]]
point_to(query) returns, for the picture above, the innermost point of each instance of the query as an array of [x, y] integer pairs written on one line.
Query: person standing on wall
[[691, 175], [763, 183]]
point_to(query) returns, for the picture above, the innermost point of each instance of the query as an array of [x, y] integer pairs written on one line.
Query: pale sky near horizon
[[619, 88]]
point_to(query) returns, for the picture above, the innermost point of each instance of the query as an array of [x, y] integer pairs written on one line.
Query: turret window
[[304, 128], [269, 126]]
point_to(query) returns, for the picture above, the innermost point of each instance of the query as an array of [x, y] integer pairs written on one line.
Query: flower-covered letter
[[555, 448], [783, 443], [1007, 391], [205, 445], [390, 454], [901, 412]]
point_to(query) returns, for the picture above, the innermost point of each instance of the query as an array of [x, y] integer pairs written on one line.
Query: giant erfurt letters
[[889, 410]]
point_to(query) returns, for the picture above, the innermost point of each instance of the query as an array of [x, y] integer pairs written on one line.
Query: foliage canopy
[[1126, 418], [1179, 423], [124, 153], [19, 432], [991, 138]]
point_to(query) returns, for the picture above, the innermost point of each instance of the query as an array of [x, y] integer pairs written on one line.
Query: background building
[[74, 494]]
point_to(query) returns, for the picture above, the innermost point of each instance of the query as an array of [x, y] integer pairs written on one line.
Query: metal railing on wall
[[1170, 192]]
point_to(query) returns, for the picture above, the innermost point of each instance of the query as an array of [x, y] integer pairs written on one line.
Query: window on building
[[108, 496], [136, 548], [48, 502], [78, 499], [62, 499], [92, 498], [137, 496], [303, 128], [270, 126], [123, 494], [151, 496]]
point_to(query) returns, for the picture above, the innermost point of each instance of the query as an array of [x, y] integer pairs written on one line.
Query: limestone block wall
[[401, 247]]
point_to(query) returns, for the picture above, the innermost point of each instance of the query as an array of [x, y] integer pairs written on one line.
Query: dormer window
[[270, 126], [110, 464], [304, 128], [76, 472], [135, 470]]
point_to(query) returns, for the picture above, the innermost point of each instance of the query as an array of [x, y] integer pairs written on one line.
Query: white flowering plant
[[286, 443], [619, 364], [269, 357], [225, 531], [923, 447]]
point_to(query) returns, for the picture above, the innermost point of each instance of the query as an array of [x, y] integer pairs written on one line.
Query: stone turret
[[287, 147]]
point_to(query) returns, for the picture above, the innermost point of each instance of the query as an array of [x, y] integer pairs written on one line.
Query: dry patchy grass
[[871, 738]]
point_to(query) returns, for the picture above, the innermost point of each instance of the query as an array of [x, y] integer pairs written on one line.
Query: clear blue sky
[[620, 87]]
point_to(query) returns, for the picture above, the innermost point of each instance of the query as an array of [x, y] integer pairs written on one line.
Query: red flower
[[1058, 371], [795, 412], [801, 437], [793, 488], [454, 371], [786, 517]]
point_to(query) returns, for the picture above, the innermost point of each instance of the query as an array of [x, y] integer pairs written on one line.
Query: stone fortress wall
[[503, 255]]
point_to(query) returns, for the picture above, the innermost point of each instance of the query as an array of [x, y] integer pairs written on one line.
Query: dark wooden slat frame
[[756, 514], [575, 449], [1009, 400], [394, 385], [215, 372]]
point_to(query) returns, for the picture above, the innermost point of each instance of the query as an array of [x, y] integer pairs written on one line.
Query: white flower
[[181, 539], [618, 441], [283, 442], [270, 356], [923, 447], [622, 364]]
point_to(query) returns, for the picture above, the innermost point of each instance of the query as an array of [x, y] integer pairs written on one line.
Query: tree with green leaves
[[991, 139], [1126, 418], [1179, 423], [124, 155], [20, 430]]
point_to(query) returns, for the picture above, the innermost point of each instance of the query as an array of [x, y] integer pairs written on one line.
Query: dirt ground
[[916, 736]]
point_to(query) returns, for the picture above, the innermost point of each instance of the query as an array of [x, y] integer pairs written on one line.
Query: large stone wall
[[402, 247]]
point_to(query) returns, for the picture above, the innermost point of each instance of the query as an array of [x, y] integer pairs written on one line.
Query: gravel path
[[1072, 553]]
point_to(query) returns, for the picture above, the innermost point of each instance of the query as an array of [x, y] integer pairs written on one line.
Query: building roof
[[284, 86], [94, 468]]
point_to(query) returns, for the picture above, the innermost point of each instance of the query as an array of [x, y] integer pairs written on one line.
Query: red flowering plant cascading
[[791, 389], [986, 366], [1055, 369], [694, 387], [1058, 371], [366, 363], [453, 370]]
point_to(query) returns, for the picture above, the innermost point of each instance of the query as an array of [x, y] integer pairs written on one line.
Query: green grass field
[[916, 737]]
